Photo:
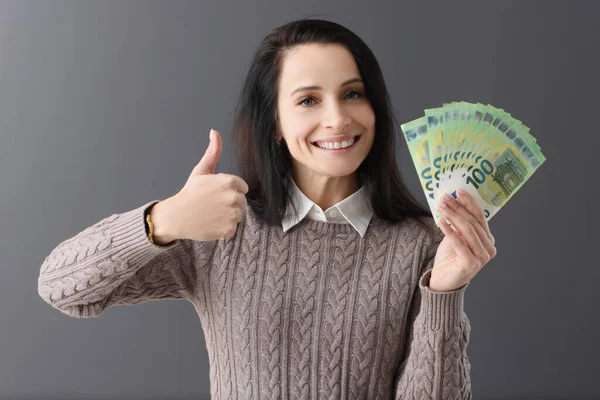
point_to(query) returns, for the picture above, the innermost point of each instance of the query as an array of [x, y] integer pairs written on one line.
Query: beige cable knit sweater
[[313, 313]]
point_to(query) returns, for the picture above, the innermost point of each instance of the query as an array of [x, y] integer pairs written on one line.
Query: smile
[[337, 146]]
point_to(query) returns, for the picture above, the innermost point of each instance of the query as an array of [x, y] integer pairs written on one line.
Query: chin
[[337, 171]]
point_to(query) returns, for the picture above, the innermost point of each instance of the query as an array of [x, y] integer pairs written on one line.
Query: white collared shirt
[[354, 209]]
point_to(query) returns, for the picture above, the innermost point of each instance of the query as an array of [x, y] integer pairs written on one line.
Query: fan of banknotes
[[478, 148]]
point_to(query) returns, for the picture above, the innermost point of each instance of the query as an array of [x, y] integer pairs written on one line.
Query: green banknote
[[417, 139], [435, 126], [478, 148]]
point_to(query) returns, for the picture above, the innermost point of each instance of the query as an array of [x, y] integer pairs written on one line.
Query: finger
[[465, 199], [237, 183], [241, 201], [461, 247], [208, 163], [237, 214], [464, 212], [468, 232]]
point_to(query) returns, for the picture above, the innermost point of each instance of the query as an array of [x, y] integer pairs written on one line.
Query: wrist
[[162, 231], [434, 286]]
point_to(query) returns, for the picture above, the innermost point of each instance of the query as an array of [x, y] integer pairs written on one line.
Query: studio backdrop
[[106, 105]]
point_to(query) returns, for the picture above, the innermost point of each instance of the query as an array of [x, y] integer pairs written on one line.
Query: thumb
[[209, 161]]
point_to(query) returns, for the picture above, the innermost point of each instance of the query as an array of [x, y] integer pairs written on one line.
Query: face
[[325, 118]]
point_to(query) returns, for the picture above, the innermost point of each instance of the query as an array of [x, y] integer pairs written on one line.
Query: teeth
[[336, 145]]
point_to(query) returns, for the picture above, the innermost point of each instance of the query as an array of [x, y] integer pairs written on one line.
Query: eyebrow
[[348, 82]]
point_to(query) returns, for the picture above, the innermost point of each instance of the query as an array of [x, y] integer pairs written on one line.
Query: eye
[[358, 93], [302, 102]]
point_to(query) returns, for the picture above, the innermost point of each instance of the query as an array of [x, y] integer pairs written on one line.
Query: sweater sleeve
[[114, 263], [435, 364]]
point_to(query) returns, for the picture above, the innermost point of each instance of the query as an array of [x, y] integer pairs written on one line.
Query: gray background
[[105, 105]]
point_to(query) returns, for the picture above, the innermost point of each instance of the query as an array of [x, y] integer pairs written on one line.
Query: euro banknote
[[475, 147]]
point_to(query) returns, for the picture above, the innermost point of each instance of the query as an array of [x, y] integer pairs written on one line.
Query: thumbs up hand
[[208, 207]]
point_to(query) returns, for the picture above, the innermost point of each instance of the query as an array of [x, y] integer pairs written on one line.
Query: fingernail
[[210, 136], [443, 205], [446, 197], [461, 192]]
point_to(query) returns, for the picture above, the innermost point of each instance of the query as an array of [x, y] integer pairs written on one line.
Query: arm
[[435, 364], [114, 263]]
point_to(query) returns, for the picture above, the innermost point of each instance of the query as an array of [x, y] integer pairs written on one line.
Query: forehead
[[318, 64]]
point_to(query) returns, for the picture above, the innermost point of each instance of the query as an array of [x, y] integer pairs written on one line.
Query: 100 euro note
[[417, 140], [466, 164], [502, 158], [466, 144], [454, 117], [436, 120], [459, 131]]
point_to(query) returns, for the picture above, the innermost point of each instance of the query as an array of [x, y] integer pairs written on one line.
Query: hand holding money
[[471, 159]]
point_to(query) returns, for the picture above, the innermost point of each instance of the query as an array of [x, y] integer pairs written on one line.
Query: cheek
[[366, 118], [299, 129]]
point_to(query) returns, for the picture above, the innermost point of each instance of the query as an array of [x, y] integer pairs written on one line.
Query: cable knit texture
[[316, 312]]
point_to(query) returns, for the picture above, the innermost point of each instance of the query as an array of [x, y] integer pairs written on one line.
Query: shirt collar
[[354, 209]]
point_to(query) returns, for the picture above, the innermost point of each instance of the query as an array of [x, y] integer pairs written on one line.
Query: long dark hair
[[264, 164]]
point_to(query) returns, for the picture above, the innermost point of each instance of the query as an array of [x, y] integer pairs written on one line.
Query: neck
[[326, 191]]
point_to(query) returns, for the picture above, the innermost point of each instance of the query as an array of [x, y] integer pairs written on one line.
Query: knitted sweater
[[315, 312]]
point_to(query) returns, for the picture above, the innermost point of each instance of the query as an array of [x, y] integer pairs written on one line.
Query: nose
[[336, 117]]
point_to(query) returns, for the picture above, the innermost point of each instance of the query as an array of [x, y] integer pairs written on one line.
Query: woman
[[314, 272]]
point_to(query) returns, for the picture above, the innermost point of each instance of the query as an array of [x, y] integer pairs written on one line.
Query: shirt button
[[334, 213]]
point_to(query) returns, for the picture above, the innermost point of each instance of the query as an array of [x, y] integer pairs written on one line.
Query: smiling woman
[[338, 112], [310, 271]]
